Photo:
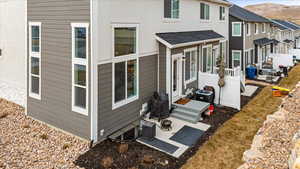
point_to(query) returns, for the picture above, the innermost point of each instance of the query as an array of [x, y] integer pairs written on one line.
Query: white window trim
[[206, 46], [240, 25], [249, 29], [124, 58], [263, 25], [209, 17], [223, 14], [171, 19], [192, 79], [79, 61], [257, 29], [36, 55], [238, 51]]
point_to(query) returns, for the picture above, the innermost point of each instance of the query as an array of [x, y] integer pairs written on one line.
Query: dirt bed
[[134, 157]]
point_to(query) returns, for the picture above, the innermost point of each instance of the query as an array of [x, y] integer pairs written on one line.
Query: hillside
[[277, 11]]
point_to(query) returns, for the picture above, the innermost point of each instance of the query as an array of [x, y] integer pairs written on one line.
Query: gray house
[[249, 38], [94, 64]]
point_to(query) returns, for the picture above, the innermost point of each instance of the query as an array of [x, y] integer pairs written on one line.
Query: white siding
[[149, 15], [12, 42]]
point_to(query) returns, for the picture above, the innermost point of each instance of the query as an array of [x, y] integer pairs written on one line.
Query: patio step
[[186, 115], [191, 109]]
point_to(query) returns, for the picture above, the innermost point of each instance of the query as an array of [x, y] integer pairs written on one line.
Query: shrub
[[122, 148], [107, 162], [3, 115], [66, 146], [44, 136]]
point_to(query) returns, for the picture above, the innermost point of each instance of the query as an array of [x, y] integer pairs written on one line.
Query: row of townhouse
[[88, 67]]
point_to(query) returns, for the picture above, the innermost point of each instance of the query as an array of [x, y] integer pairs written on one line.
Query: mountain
[[277, 11]]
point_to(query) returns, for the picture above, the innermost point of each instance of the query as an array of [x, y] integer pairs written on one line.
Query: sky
[[251, 2]]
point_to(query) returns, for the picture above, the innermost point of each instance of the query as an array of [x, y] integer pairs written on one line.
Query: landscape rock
[[276, 144]]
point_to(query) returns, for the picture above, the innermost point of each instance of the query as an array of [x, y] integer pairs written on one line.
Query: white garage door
[[12, 45]]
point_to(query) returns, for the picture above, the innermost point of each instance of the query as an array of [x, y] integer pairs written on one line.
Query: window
[[204, 11], [190, 64], [236, 29], [248, 29], [35, 60], [236, 58], [263, 27], [172, 9], [207, 58], [223, 50], [256, 28], [125, 64], [252, 56], [80, 33], [125, 41], [247, 58], [222, 13]]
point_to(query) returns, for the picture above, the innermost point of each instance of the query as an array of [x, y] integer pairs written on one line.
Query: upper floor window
[[256, 28], [222, 13], [80, 67], [204, 11], [125, 64], [263, 27], [35, 60], [171, 9], [236, 29], [248, 29]]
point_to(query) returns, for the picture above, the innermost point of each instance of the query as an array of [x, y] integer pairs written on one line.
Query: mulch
[[133, 158]]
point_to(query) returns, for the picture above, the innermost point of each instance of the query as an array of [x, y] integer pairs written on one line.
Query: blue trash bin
[[251, 72]]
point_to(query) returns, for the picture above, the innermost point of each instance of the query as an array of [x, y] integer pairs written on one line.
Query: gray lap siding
[[55, 106], [111, 120]]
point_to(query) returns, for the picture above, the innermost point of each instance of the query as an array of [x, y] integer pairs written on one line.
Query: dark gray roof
[[286, 24], [175, 38], [275, 41], [278, 25], [297, 25], [288, 41], [263, 41], [246, 15]]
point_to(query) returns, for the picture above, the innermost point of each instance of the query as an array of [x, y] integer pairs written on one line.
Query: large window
[[190, 64], [222, 13], [80, 67], [125, 64], [35, 60], [248, 29], [204, 11], [207, 58], [171, 9], [236, 58], [236, 29]]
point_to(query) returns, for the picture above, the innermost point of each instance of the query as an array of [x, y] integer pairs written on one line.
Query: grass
[[225, 148]]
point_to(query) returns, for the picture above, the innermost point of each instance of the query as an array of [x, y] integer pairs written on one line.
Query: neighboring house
[[297, 35], [12, 45], [249, 42], [290, 37], [284, 35], [93, 64]]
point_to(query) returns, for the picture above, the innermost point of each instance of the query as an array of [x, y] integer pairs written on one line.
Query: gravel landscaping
[[26, 143], [272, 145]]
